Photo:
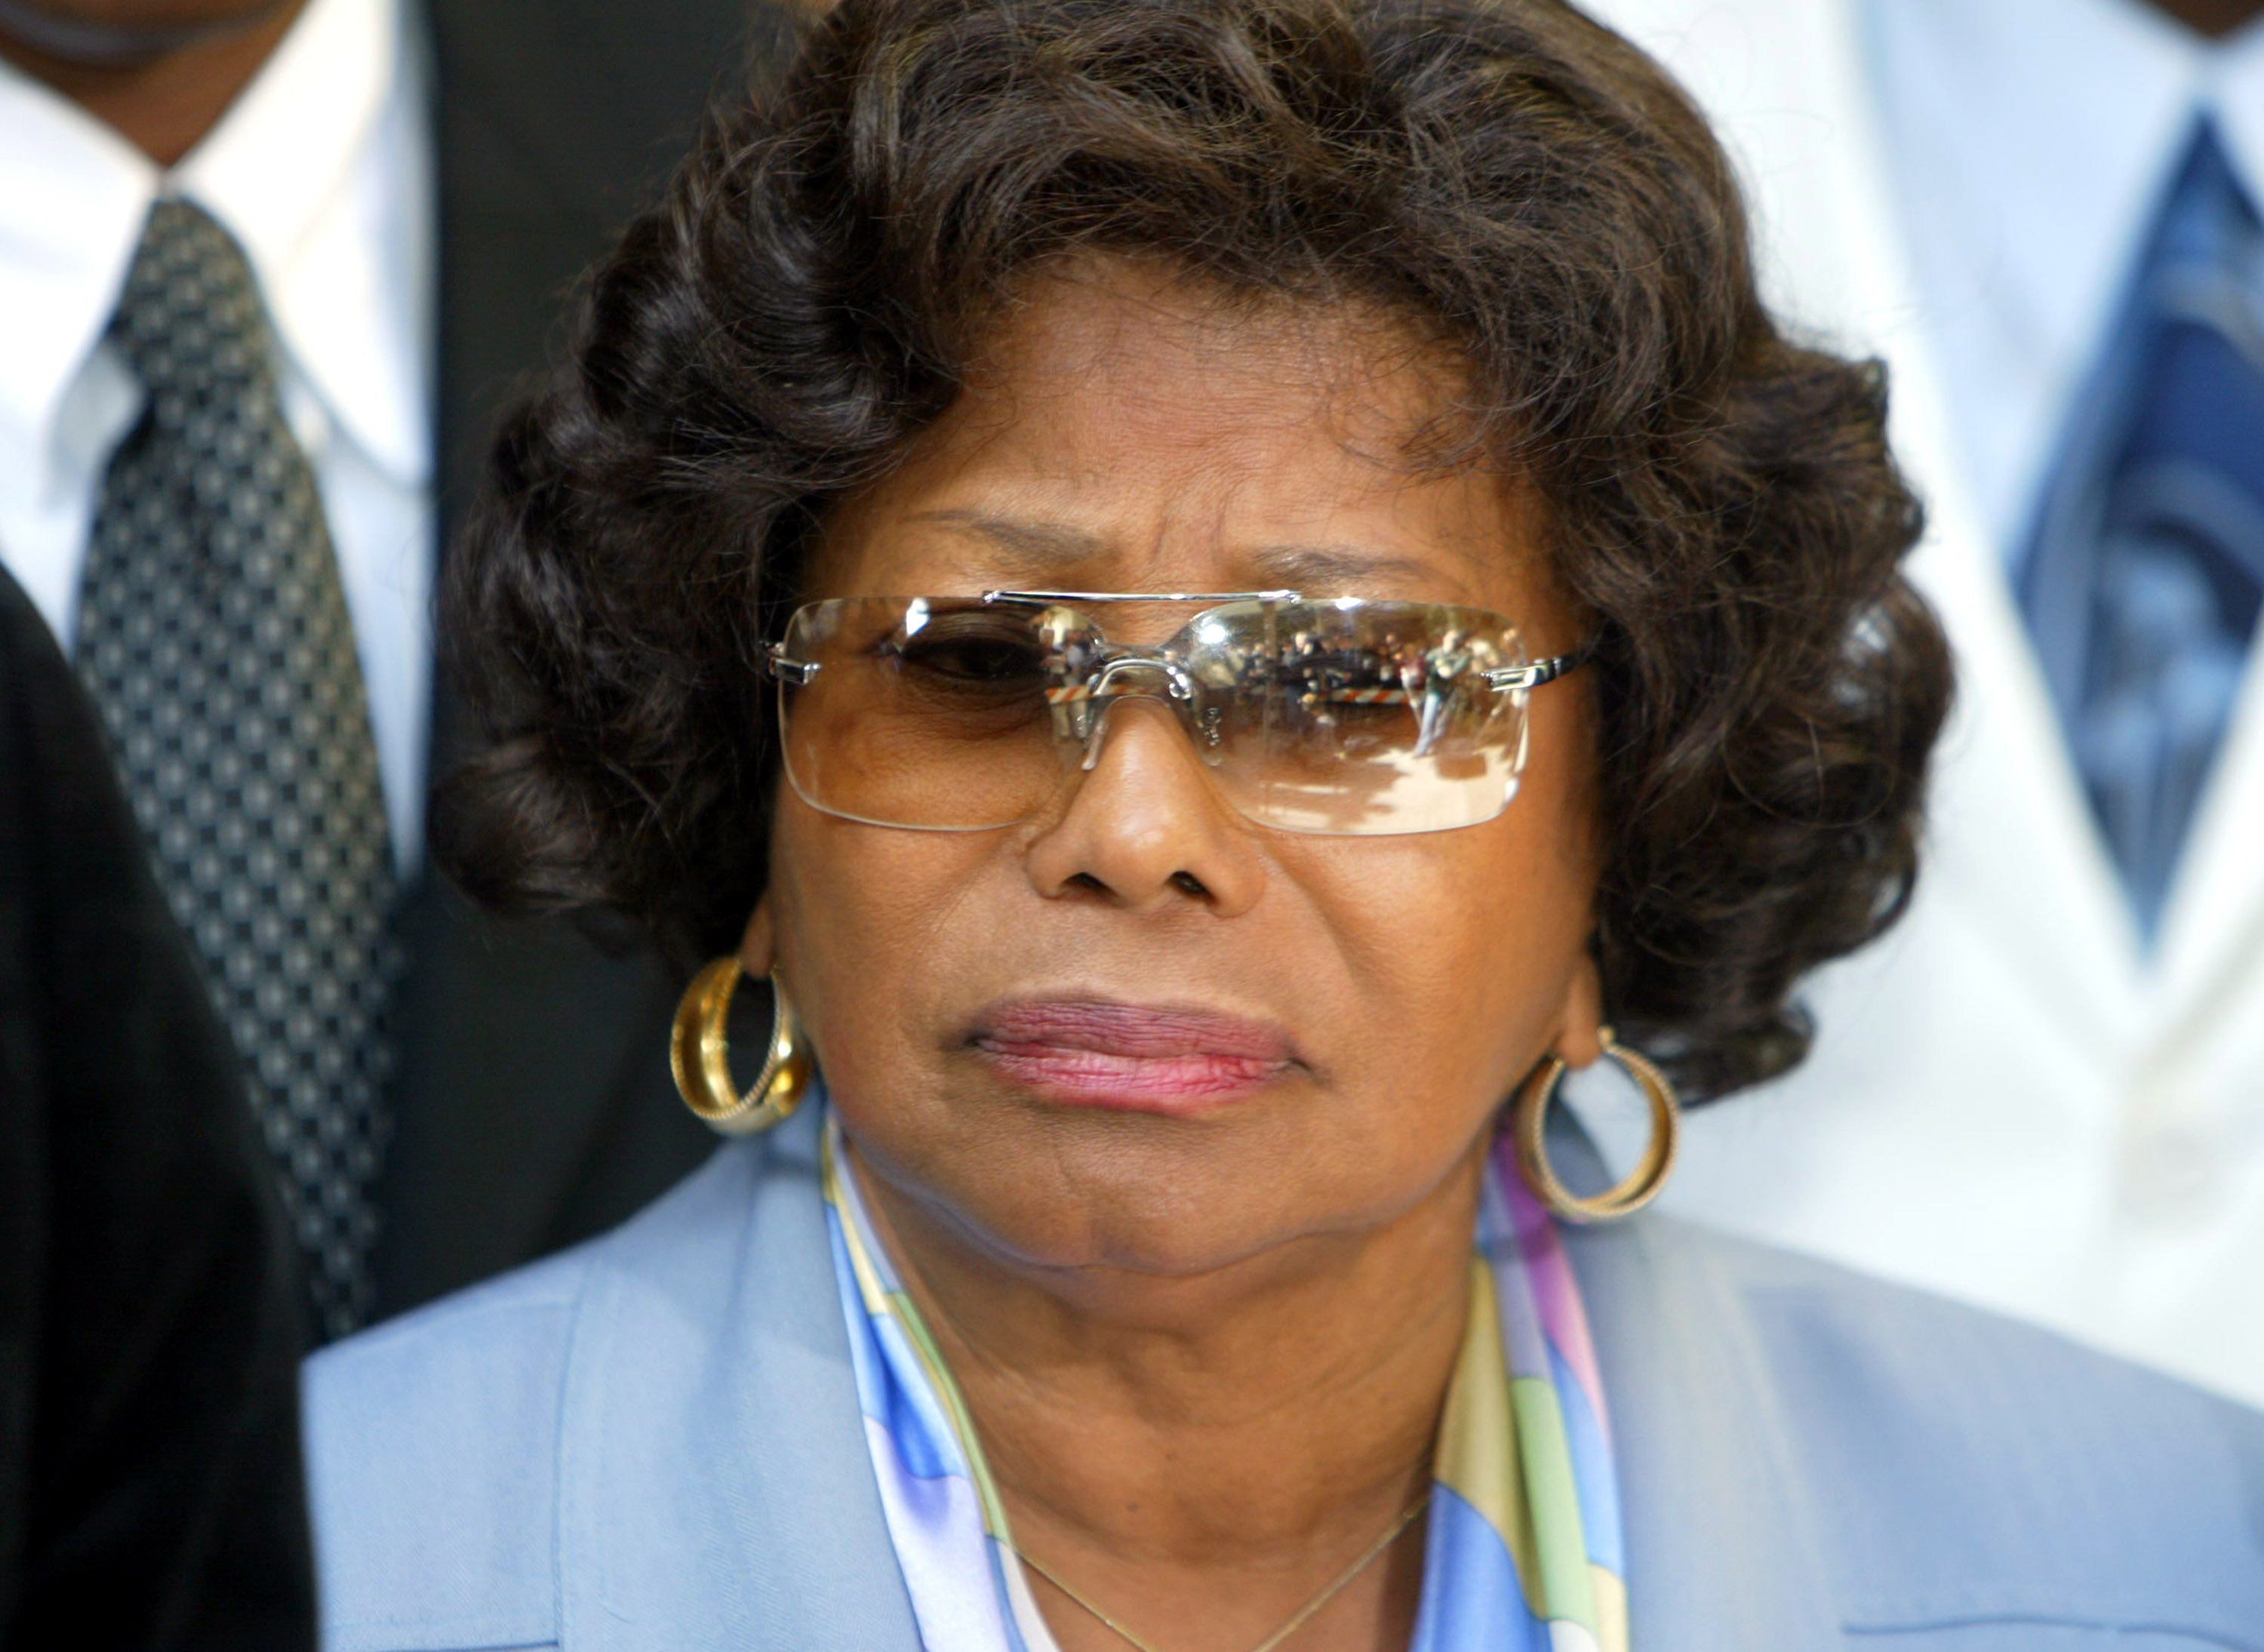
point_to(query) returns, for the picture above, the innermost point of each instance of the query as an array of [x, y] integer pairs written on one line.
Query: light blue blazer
[[653, 1442]]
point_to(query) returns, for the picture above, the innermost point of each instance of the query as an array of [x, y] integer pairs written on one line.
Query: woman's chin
[[1066, 1189]]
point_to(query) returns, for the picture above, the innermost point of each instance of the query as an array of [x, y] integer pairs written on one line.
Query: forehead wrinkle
[[1031, 551], [1024, 552]]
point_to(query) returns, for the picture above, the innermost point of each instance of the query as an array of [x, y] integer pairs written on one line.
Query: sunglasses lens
[[923, 712], [1344, 718], [1378, 718]]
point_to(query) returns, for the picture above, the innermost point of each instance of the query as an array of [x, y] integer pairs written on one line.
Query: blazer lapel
[[715, 1486], [2215, 925], [2010, 842], [1721, 1527]]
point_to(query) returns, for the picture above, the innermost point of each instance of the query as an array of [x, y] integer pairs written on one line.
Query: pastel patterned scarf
[[1524, 1547]]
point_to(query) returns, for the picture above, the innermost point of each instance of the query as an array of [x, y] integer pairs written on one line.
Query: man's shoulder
[[1966, 1467]]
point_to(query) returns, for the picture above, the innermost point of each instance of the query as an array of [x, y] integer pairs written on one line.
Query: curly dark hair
[[1504, 176]]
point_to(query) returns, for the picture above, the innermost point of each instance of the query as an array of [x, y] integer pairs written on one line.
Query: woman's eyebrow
[[1041, 545]]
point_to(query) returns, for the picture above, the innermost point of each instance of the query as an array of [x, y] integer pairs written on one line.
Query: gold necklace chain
[[1297, 1621]]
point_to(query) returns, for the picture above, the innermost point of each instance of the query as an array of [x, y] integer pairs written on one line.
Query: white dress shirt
[[2011, 1099], [322, 169], [2032, 144]]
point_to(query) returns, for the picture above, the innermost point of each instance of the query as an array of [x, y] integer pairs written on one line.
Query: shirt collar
[[301, 170], [2034, 140], [77, 195]]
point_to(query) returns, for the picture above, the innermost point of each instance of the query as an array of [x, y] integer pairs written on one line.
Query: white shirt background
[[2011, 1100], [322, 169], [2033, 144]]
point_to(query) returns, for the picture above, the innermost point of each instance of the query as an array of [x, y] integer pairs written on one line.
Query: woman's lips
[[1130, 1057]]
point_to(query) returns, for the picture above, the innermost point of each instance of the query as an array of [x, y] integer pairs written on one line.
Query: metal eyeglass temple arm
[[1548, 670], [795, 672]]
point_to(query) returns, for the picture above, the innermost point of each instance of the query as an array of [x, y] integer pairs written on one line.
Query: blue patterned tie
[[2141, 586]]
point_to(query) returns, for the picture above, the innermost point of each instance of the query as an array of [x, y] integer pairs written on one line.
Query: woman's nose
[[1144, 827]]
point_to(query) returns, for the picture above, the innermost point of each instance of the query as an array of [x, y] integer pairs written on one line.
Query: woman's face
[[1141, 1032]]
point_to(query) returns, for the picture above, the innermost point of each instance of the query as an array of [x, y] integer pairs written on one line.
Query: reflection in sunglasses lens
[[959, 714]]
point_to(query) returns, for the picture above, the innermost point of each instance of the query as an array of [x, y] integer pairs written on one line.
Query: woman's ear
[[1579, 1027], [759, 944]]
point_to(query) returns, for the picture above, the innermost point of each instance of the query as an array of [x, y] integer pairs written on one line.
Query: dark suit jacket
[[150, 1307], [534, 1105]]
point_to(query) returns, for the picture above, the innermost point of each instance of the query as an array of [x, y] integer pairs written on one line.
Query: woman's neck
[[1202, 1455]]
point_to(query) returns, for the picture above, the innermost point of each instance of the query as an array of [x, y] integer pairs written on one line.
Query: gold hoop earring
[[700, 1055], [1528, 1127]]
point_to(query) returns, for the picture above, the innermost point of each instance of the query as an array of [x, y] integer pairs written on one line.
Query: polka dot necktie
[[2143, 585], [214, 634]]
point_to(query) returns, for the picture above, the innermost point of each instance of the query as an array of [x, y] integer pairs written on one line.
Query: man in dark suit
[[445, 1097], [150, 1306]]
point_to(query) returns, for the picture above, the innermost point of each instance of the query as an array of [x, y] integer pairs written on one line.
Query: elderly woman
[[1213, 592]]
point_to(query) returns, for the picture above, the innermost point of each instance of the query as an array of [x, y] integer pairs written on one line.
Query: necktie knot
[[189, 320]]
